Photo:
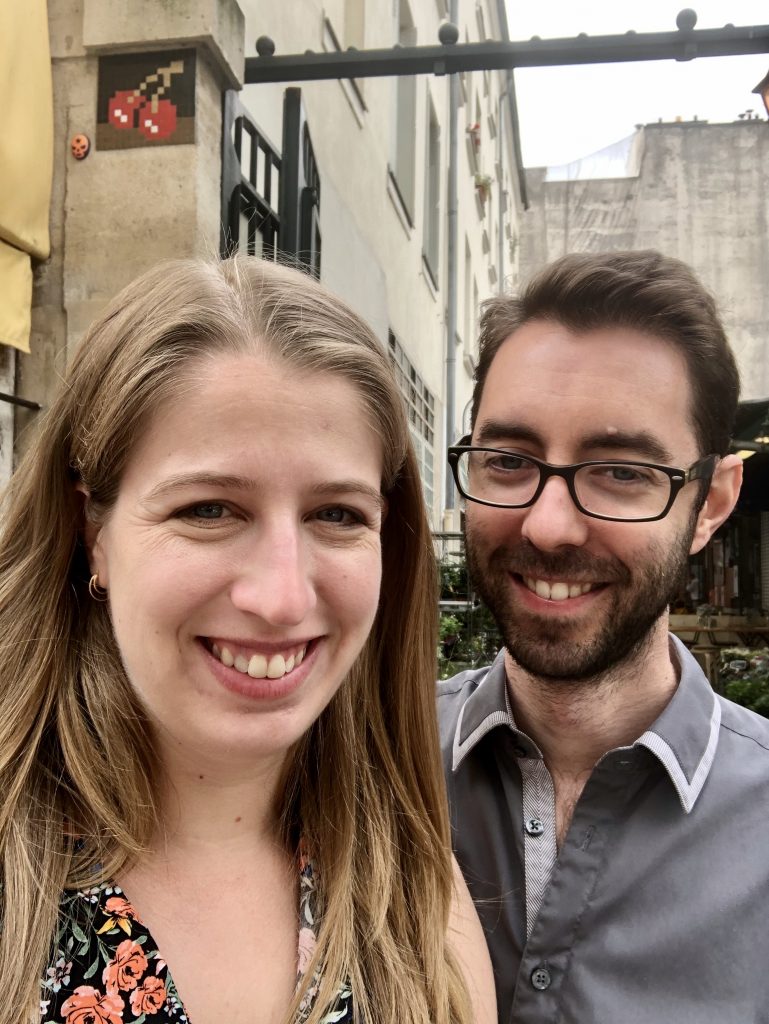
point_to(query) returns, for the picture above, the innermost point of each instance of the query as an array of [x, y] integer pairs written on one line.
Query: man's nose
[[276, 579], [554, 521]]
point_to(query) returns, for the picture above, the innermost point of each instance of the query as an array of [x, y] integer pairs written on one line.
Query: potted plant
[[483, 186]]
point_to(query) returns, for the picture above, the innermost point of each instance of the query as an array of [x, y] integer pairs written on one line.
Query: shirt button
[[534, 827], [541, 978]]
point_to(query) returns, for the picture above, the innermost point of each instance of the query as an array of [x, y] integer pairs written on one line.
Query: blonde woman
[[221, 788]]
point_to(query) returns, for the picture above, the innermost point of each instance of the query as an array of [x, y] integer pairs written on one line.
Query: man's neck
[[576, 723]]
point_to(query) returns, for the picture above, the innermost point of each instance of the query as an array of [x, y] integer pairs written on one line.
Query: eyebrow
[[201, 479], [348, 487], [498, 431], [639, 443], [636, 443], [244, 483]]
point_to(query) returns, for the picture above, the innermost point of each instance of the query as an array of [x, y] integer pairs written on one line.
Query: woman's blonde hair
[[364, 787]]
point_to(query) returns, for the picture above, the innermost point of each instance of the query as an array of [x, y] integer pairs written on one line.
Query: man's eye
[[506, 463]]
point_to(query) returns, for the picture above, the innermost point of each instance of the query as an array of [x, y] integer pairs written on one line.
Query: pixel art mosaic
[[146, 99]]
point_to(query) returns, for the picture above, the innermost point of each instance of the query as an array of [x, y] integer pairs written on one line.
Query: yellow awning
[[26, 159], [15, 296]]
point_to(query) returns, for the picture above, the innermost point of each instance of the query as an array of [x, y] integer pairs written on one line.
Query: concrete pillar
[[119, 211]]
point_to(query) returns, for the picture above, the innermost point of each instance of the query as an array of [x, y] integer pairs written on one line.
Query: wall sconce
[[763, 91]]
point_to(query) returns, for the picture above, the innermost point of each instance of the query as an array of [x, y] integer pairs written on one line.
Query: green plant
[[745, 674], [468, 636]]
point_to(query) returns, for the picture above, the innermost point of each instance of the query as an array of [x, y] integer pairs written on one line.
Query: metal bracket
[[24, 402], [446, 59]]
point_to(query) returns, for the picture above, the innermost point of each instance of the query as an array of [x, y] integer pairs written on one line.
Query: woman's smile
[[260, 671]]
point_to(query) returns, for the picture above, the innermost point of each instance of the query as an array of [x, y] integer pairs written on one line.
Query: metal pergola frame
[[451, 58]]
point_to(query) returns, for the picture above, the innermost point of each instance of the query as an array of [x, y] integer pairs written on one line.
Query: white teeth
[[276, 667], [257, 667], [558, 591]]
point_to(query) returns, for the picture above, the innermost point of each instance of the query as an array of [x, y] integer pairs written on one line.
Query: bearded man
[[610, 811]]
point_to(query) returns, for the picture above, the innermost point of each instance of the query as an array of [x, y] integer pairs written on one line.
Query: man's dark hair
[[643, 290]]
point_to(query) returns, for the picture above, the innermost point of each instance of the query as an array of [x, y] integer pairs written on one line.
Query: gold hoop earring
[[97, 593]]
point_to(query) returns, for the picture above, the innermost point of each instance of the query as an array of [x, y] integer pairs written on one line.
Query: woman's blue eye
[[209, 510], [336, 515]]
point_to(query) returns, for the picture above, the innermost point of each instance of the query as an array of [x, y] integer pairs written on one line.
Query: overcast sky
[[567, 113]]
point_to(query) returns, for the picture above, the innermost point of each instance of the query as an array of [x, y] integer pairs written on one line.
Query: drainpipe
[[451, 260], [501, 210]]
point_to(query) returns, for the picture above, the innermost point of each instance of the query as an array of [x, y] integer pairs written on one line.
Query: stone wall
[[119, 211], [702, 195]]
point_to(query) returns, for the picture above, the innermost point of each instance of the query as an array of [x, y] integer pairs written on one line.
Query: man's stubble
[[562, 650]]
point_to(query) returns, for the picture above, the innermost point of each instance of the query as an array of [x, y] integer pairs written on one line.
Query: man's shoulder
[[453, 692], [451, 695]]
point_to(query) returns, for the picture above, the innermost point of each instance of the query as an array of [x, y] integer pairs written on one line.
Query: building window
[[355, 23], [481, 21], [351, 87], [432, 207], [469, 319], [404, 120], [420, 409]]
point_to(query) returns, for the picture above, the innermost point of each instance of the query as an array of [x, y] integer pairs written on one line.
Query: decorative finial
[[686, 19], [448, 33], [265, 47]]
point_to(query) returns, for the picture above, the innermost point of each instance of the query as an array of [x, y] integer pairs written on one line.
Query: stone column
[[121, 210]]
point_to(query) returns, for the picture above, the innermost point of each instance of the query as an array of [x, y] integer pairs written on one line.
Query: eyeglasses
[[621, 491]]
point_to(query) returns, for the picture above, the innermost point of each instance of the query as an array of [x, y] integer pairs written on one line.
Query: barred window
[[420, 409]]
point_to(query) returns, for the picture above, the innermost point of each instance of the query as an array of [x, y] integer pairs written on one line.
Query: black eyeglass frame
[[703, 469]]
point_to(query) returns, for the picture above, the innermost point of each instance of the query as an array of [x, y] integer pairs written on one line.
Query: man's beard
[[565, 650]]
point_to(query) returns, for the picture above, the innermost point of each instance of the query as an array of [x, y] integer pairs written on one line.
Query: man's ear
[[90, 532], [722, 497]]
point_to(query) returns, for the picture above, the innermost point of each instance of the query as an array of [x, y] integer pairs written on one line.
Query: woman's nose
[[275, 580]]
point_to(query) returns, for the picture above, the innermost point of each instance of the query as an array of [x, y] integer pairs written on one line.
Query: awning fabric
[[26, 160]]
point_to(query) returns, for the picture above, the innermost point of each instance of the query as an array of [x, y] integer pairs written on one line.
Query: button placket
[[540, 846]]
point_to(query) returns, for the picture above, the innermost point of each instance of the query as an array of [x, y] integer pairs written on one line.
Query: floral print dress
[[107, 969]]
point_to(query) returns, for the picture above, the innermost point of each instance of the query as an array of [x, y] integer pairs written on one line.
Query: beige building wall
[[120, 211]]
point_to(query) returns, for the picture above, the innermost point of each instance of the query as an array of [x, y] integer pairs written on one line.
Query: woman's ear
[[722, 497], [90, 532]]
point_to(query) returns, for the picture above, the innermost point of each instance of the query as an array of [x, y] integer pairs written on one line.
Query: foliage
[[468, 636], [745, 675]]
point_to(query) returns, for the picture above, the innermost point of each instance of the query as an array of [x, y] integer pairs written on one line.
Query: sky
[[567, 113]]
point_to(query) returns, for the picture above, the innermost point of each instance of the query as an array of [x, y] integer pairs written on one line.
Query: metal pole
[[501, 208], [493, 55], [451, 267]]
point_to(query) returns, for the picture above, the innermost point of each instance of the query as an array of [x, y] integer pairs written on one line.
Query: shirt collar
[[683, 738]]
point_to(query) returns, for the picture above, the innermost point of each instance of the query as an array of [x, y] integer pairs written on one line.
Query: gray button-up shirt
[[656, 909]]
